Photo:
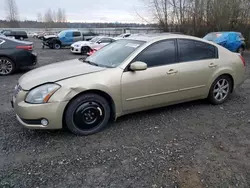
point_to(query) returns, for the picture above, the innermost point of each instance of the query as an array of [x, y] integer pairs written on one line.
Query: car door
[[67, 38], [155, 86], [77, 36], [198, 62]]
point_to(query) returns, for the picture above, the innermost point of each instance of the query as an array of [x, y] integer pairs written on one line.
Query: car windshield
[[115, 53], [212, 36], [62, 34], [95, 39]]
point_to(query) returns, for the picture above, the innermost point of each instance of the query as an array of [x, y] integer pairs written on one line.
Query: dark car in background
[[15, 54], [233, 41], [21, 35]]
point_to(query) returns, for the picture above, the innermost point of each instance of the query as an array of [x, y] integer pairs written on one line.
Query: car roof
[[159, 36]]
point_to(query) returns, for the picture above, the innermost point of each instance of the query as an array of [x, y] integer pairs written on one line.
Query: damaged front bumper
[[31, 115]]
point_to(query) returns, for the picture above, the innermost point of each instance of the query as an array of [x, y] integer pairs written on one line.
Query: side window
[[160, 53], [105, 40], [76, 34], [191, 50]]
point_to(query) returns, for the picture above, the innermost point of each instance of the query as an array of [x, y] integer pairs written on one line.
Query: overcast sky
[[83, 10]]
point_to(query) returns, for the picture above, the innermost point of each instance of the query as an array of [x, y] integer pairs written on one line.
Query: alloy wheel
[[6, 67], [221, 90]]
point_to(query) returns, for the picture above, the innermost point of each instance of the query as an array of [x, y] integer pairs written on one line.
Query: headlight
[[42, 93], [77, 46]]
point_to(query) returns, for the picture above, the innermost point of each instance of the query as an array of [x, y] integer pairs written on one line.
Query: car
[[15, 54], [83, 47], [21, 35], [87, 36], [233, 41], [126, 76], [64, 38]]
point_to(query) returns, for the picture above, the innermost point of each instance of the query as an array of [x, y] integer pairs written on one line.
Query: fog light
[[44, 122]]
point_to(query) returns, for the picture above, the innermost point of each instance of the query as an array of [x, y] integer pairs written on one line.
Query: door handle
[[212, 65], [172, 71]]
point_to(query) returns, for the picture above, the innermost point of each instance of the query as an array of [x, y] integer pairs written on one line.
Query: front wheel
[[7, 66], [220, 90], [87, 114], [57, 46], [85, 50]]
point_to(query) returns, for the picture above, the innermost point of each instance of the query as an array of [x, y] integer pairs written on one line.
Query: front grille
[[18, 88]]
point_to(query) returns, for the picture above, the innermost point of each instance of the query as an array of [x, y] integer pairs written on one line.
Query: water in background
[[101, 31]]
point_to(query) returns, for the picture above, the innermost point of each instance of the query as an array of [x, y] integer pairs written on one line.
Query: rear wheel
[[220, 90], [7, 66], [87, 114]]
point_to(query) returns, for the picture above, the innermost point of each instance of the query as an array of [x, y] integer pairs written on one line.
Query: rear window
[[192, 50]]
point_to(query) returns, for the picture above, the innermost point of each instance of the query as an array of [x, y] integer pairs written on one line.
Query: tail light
[[243, 60], [30, 48]]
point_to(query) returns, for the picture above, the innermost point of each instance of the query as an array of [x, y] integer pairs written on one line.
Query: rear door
[[77, 36], [198, 62]]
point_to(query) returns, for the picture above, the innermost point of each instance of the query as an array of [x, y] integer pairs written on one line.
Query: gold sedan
[[129, 75]]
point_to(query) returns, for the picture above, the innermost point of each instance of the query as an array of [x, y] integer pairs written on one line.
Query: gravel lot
[[189, 145]]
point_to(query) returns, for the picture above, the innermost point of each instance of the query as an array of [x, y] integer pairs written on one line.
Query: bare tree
[[59, 15], [39, 17], [11, 10], [64, 17], [48, 16]]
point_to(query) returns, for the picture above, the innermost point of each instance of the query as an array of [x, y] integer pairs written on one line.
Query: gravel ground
[[188, 145]]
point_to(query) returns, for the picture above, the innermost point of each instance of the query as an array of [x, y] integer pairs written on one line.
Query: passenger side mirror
[[138, 66], [99, 42]]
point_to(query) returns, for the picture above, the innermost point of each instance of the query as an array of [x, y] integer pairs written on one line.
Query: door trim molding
[[152, 95], [190, 88]]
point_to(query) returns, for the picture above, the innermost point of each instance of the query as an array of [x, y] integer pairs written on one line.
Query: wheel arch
[[224, 74], [9, 57], [98, 92]]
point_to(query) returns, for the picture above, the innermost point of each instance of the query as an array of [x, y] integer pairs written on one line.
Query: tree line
[[198, 17]]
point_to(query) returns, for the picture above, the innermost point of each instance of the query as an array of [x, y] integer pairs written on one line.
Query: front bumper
[[29, 114], [76, 50]]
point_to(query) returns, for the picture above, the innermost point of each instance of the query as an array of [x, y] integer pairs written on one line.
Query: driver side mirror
[[99, 42], [138, 66]]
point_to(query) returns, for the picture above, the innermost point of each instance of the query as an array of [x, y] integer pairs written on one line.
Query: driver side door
[[158, 84]]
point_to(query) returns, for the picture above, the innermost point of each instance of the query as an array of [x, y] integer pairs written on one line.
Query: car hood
[[56, 72], [50, 36]]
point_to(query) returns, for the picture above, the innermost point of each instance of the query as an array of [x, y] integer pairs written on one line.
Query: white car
[[83, 47]]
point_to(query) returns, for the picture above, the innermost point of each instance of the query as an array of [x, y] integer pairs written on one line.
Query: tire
[[84, 50], [240, 50], [220, 90], [87, 114], [7, 66], [56, 46]]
